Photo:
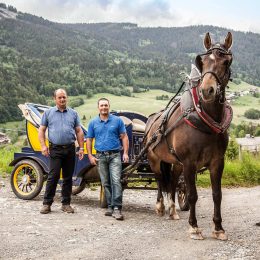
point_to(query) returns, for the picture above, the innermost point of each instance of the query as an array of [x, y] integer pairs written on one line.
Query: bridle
[[220, 92]]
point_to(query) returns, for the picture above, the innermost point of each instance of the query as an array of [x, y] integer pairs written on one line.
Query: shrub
[[250, 169], [252, 113], [76, 102], [162, 97], [3, 5], [232, 150]]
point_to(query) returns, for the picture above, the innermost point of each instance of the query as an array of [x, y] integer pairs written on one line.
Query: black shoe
[[117, 214], [109, 212]]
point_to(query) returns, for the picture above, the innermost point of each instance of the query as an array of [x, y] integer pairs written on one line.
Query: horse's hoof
[[196, 234], [160, 213], [174, 217], [220, 235]]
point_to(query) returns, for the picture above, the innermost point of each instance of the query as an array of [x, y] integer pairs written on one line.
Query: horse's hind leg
[[172, 208], [160, 208], [192, 195], [215, 176]]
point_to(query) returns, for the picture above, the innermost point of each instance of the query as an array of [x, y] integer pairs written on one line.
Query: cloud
[[149, 13]]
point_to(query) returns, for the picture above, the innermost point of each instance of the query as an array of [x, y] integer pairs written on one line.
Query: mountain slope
[[37, 56]]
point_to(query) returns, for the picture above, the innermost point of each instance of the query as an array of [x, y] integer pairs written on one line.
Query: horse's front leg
[[192, 195], [216, 171], [160, 208]]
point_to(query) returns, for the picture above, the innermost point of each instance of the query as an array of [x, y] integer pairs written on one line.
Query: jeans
[[109, 168], [60, 158]]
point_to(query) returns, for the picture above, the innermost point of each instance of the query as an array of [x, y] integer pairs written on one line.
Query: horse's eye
[[220, 54], [226, 62]]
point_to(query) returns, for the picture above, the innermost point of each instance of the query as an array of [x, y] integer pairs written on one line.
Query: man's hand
[[125, 158], [81, 154], [93, 160], [45, 151]]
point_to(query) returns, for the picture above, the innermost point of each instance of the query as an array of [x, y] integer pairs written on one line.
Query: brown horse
[[192, 134]]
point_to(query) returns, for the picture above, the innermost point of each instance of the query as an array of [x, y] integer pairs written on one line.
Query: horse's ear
[[207, 41], [228, 41], [198, 63]]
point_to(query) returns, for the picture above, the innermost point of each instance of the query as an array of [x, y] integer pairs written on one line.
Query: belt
[[64, 146], [108, 152]]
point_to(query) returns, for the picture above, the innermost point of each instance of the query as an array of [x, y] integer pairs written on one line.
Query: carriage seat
[[137, 124]]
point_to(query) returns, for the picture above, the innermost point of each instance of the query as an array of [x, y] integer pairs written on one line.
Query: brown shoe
[[45, 209], [67, 209]]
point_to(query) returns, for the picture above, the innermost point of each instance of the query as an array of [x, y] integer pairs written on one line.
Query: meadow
[[144, 103], [243, 103], [242, 173]]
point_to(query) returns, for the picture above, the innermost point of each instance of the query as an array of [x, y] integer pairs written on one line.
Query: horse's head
[[214, 66]]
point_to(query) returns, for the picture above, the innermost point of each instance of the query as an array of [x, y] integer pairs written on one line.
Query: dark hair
[[59, 89], [103, 99]]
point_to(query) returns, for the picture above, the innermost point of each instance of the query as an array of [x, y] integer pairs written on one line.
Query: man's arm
[[125, 143], [93, 160], [41, 136], [80, 139]]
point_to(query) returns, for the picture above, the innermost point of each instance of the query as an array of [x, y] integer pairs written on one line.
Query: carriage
[[31, 167]]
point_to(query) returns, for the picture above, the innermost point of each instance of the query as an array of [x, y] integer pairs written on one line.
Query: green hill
[[38, 56]]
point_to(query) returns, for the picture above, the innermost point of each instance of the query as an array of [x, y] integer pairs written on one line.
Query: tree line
[[38, 56]]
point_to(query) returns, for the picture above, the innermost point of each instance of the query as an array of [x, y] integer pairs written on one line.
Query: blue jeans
[[109, 168]]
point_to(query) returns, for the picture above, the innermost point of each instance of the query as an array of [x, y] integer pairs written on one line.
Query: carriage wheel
[[27, 179], [77, 189], [102, 198], [182, 195]]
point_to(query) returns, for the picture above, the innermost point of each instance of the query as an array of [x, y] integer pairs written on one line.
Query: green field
[[144, 103], [243, 103]]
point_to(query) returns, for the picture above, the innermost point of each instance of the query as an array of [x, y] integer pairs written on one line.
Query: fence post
[[240, 152]]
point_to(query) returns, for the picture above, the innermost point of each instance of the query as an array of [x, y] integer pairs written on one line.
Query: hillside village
[[254, 91]]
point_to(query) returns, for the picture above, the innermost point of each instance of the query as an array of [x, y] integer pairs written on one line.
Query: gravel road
[[88, 234]]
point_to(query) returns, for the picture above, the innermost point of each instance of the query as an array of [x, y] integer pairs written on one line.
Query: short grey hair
[[59, 89]]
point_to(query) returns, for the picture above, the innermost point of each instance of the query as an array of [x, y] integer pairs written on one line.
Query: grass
[[244, 173], [236, 173], [144, 103], [241, 87], [241, 105], [7, 155]]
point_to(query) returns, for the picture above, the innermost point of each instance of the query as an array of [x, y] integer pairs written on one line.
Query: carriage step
[[140, 175]]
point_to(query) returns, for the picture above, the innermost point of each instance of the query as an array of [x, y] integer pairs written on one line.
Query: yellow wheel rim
[[25, 179]]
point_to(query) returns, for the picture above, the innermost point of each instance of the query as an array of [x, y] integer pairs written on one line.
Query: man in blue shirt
[[107, 130], [63, 127]]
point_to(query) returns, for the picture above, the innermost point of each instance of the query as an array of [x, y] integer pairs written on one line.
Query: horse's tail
[[166, 177]]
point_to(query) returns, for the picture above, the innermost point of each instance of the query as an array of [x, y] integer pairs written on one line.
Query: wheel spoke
[[30, 186]]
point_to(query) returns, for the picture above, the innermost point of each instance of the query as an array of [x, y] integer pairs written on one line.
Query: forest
[[37, 56]]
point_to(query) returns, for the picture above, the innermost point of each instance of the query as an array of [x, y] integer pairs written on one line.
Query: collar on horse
[[198, 118]]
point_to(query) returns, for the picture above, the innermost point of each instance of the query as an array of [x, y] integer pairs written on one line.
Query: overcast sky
[[239, 15]]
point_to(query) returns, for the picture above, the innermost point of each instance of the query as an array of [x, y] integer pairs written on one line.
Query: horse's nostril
[[211, 91]]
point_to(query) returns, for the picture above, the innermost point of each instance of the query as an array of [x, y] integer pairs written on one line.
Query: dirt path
[[88, 234]]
